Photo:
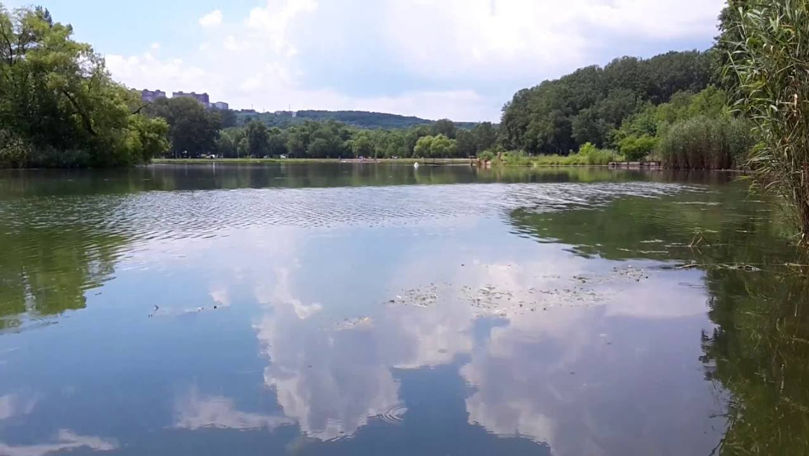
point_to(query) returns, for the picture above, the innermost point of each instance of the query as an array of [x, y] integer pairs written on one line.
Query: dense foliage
[[193, 129], [58, 105], [559, 116], [768, 53], [666, 108], [692, 131]]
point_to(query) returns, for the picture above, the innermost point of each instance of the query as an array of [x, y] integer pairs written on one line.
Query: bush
[[516, 158], [14, 151], [588, 154], [486, 155], [705, 143], [636, 148], [438, 146], [591, 155]]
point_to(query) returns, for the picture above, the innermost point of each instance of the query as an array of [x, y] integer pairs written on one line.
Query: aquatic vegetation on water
[[534, 292]]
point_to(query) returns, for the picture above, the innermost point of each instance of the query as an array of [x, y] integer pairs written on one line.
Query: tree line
[[195, 131], [359, 119]]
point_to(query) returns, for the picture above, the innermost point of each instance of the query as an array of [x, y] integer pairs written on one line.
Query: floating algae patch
[[506, 290], [420, 297]]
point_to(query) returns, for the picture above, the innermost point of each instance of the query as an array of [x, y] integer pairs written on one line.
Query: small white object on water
[[416, 165]]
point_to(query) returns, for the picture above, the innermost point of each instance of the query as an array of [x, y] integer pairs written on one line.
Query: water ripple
[[203, 214]]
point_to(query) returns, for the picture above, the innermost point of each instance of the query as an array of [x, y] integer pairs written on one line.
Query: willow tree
[[58, 104], [767, 42]]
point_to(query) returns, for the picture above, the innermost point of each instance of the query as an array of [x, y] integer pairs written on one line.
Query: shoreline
[[251, 161]]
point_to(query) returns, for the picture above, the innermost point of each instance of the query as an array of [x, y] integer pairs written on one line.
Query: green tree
[[466, 143], [258, 141], [443, 147], [319, 148], [58, 103], [485, 135], [228, 118], [423, 147], [297, 141], [445, 127], [435, 147], [362, 145], [193, 129], [276, 142], [227, 145], [411, 138], [587, 105]]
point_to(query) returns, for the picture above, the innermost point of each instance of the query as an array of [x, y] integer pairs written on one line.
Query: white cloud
[[198, 412], [66, 441], [12, 405], [456, 58], [146, 71], [212, 19], [499, 38], [273, 21]]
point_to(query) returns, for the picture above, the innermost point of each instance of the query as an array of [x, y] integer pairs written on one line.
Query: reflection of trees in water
[[759, 350], [45, 271], [212, 176]]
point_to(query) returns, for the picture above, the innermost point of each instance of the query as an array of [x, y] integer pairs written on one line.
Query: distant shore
[[436, 161]]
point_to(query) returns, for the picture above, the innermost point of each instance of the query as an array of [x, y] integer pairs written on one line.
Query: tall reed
[[705, 143]]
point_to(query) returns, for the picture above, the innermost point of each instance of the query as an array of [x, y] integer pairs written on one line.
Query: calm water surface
[[378, 309]]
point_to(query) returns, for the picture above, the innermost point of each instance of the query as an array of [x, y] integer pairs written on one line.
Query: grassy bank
[[288, 161], [588, 155]]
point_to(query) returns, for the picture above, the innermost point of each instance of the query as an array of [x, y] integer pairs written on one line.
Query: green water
[[380, 309]]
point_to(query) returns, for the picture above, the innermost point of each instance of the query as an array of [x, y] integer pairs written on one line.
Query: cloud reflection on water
[[546, 375], [584, 354], [14, 405], [66, 440], [195, 411]]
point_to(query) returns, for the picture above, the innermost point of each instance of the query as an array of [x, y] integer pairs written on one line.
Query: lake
[[380, 309]]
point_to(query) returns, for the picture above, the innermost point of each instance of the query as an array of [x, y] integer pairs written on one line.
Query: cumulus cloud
[[212, 19], [147, 71], [562, 379], [456, 58], [329, 382]]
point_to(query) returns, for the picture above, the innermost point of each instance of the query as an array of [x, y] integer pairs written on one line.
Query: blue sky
[[461, 59]]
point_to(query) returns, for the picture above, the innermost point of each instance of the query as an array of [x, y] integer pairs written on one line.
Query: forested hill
[[588, 105], [359, 119]]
